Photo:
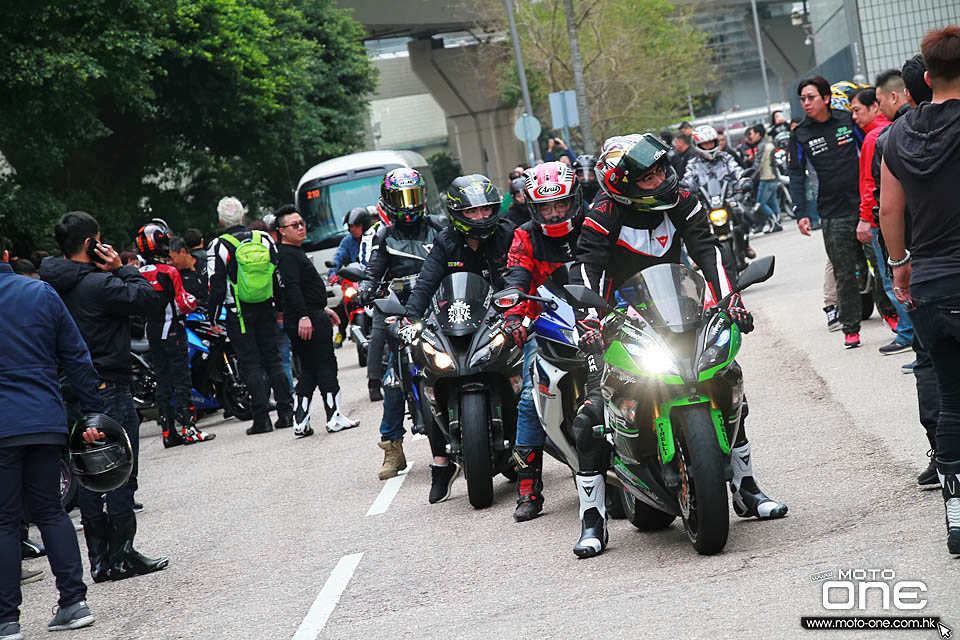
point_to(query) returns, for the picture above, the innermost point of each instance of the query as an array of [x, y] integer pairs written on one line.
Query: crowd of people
[[885, 158]]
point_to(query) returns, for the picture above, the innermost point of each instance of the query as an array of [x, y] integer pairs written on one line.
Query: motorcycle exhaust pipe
[[613, 479]]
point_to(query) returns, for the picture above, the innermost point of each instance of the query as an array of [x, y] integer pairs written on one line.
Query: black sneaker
[[30, 575], [74, 616], [260, 425], [929, 477], [374, 388], [895, 347], [833, 318], [441, 483], [137, 507]]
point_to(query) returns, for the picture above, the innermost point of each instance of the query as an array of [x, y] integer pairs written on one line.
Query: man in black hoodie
[[101, 295], [920, 171]]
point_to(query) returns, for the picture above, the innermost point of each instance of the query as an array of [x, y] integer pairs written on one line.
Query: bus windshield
[[323, 208]]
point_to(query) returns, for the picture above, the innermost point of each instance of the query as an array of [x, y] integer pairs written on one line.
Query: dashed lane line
[[389, 492], [328, 598]]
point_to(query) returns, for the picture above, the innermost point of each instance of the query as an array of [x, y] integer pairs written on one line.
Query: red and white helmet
[[548, 187], [704, 134]]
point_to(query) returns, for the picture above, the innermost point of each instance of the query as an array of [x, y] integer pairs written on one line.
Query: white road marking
[[328, 598], [389, 492]]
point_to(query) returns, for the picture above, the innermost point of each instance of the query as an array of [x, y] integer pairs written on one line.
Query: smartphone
[[92, 251]]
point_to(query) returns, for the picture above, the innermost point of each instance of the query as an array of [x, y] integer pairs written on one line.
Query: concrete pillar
[[480, 128]]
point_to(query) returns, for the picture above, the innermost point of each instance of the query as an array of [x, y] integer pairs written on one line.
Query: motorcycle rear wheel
[[706, 516], [68, 485], [235, 401], [643, 516], [477, 458]]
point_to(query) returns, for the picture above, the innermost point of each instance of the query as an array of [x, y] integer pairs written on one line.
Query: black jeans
[[318, 364], [169, 358], [928, 390], [258, 356], [937, 321], [118, 404], [845, 253], [30, 479]]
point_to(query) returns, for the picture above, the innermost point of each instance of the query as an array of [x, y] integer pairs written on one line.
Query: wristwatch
[[901, 262]]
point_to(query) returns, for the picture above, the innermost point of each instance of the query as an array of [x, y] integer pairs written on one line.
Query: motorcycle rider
[[518, 212], [640, 221], [401, 249], [548, 241], [586, 176], [168, 338], [357, 222], [713, 163], [476, 241]]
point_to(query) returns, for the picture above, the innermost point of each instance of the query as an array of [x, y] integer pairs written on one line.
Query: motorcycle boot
[[336, 420], [97, 533], [748, 500], [125, 561], [529, 461], [29, 548], [168, 428], [301, 418], [261, 424], [373, 388], [591, 489], [187, 418], [394, 460], [949, 473]]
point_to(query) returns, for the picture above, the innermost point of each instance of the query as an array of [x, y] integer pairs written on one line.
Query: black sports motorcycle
[[470, 374]]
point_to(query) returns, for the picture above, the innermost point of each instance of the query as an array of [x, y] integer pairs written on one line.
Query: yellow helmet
[[843, 92]]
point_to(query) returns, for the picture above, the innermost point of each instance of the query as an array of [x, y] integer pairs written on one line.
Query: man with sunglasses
[[641, 219], [826, 139]]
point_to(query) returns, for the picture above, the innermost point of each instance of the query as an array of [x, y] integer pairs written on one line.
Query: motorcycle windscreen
[[668, 296], [461, 303]]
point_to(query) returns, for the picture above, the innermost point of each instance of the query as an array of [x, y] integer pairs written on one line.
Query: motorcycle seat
[[139, 346]]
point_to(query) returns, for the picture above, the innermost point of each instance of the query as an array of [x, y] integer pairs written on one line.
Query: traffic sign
[[527, 128]]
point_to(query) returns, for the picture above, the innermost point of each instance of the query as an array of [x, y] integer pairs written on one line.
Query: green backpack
[[254, 269]]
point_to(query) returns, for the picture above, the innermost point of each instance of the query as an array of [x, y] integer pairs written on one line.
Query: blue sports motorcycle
[[214, 373]]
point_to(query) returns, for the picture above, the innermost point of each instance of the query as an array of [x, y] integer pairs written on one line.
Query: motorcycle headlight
[[349, 292], [488, 352], [443, 360], [653, 358], [718, 217]]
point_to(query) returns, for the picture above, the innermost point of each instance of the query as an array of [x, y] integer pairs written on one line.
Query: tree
[[445, 169], [134, 108], [639, 57]]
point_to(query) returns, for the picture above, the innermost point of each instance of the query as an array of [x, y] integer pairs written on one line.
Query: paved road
[[257, 526]]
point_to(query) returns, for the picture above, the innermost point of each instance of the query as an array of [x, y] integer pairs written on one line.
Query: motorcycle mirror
[[760, 270], [329, 264], [351, 272], [390, 306], [506, 299], [585, 297]]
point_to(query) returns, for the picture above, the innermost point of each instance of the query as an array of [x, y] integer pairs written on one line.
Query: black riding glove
[[591, 340], [739, 314]]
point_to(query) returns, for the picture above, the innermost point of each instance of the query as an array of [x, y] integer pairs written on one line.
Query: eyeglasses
[[295, 225], [809, 98]]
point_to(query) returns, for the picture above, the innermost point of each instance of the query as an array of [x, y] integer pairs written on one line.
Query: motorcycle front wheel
[[703, 489], [477, 458]]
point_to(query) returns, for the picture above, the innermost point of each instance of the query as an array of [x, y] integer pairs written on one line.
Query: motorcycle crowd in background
[[594, 315]]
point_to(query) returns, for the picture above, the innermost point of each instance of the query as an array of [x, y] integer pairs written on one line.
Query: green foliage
[[639, 57], [135, 108], [445, 169]]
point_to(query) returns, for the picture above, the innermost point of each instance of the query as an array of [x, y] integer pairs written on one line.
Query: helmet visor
[[476, 194], [405, 199], [99, 459], [554, 211], [642, 156]]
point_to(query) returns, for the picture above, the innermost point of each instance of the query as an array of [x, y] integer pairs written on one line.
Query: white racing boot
[[336, 420], [748, 500], [593, 515]]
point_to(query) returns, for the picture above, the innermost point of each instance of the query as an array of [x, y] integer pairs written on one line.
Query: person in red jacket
[[168, 338], [543, 244], [866, 112]]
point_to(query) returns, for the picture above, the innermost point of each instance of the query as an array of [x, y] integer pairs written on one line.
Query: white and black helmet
[[703, 135]]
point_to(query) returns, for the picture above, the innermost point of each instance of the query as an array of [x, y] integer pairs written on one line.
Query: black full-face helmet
[[470, 192], [105, 464], [625, 160], [358, 216]]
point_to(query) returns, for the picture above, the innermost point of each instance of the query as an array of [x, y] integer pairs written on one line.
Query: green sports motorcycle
[[673, 394]]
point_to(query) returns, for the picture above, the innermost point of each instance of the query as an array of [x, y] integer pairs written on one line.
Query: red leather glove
[[590, 339], [334, 279], [514, 327], [739, 314]]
